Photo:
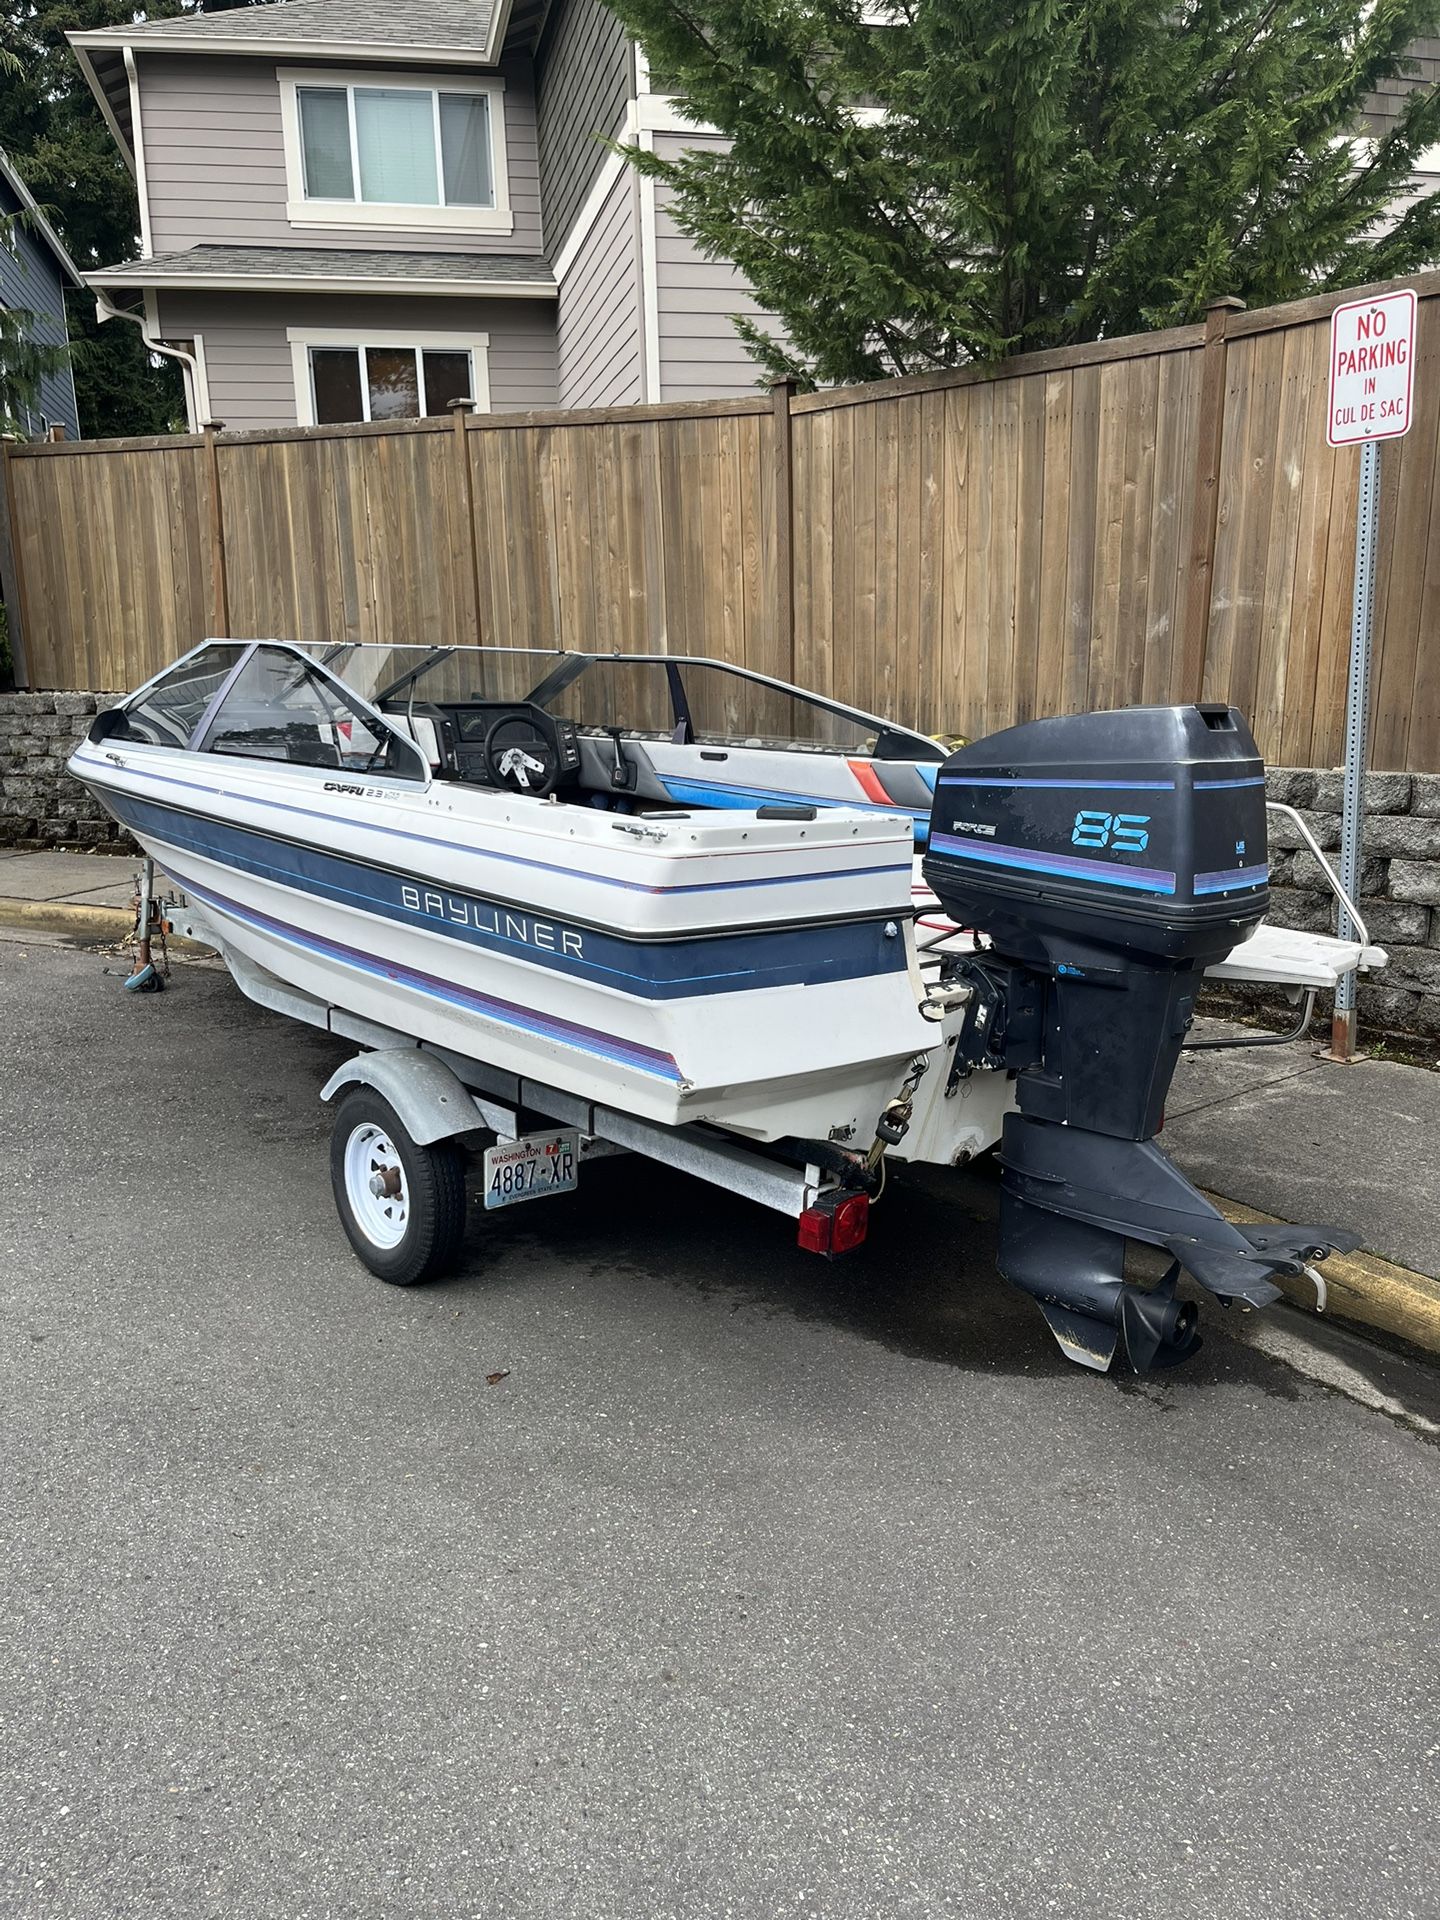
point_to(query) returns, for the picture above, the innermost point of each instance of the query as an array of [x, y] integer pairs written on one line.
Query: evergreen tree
[[51, 127], [1038, 173]]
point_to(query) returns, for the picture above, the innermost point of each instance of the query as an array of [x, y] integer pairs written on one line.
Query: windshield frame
[[569, 664]]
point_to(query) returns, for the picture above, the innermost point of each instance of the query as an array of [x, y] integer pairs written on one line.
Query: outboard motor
[[1110, 858]]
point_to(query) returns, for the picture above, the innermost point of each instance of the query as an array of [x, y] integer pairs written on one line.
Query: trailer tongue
[[1110, 858]]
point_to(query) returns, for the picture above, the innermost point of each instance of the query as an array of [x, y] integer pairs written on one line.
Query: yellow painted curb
[[1361, 1287]]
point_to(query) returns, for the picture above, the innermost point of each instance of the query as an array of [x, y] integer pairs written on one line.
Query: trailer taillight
[[835, 1225]]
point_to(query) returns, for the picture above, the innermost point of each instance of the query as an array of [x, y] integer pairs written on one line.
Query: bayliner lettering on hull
[[457, 911]]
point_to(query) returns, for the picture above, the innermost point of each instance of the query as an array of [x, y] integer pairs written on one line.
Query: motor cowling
[[1109, 858]]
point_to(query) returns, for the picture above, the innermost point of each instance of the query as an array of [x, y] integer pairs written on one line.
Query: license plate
[[532, 1168]]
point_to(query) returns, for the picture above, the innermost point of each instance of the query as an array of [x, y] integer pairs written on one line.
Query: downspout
[[106, 309], [137, 141]]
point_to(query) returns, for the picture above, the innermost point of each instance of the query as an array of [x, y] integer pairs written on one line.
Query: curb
[[107, 925], [1363, 1289]]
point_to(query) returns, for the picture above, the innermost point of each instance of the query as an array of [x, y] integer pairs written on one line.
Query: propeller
[[1158, 1330]]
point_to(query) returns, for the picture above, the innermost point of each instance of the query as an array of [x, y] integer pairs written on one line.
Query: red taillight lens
[[835, 1225], [852, 1222]]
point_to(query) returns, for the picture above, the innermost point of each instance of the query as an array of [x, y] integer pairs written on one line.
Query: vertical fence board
[[1052, 617], [1138, 520]]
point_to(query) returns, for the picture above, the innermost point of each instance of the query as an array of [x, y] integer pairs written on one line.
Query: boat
[[670, 889]]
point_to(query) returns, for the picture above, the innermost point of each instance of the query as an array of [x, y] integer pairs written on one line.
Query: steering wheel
[[522, 753]]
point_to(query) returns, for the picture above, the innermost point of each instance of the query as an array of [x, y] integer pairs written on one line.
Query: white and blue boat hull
[[712, 967]]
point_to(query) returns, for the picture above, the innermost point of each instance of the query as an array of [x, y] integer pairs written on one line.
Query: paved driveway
[[757, 1587]]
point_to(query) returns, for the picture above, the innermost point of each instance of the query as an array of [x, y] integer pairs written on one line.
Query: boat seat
[[422, 731]]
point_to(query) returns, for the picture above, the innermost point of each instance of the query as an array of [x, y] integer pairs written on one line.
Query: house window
[[395, 150], [343, 376], [386, 383], [397, 146]]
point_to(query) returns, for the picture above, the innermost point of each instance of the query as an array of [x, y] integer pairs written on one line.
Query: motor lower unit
[[1108, 859]]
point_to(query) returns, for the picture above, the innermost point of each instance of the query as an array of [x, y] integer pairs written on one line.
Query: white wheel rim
[[375, 1186]]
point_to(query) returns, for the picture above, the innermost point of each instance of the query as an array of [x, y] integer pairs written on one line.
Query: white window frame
[[390, 216], [302, 339]]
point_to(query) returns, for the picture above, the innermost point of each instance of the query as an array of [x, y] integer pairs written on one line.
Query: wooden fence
[[1149, 519]]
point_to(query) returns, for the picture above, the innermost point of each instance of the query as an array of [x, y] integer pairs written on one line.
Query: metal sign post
[[1372, 385], [1357, 714]]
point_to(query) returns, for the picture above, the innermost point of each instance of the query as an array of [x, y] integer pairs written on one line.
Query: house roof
[[461, 25], [36, 223], [507, 276]]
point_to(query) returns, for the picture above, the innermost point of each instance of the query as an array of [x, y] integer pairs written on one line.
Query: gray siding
[[701, 355], [215, 162], [1382, 109], [248, 361], [31, 281], [583, 80], [598, 323]]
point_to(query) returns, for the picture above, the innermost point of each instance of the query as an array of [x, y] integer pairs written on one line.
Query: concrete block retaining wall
[[39, 805], [1399, 884], [1400, 890]]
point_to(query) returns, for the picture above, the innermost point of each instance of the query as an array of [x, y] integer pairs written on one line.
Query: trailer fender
[[430, 1101]]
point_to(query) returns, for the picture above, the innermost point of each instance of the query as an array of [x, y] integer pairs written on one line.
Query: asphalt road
[[756, 1588]]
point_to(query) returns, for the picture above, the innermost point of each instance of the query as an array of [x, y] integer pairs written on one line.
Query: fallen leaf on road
[[494, 1379]]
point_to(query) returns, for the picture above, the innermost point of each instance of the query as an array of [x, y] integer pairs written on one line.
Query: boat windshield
[[672, 697]]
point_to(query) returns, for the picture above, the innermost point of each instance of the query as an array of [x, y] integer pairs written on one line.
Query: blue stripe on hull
[[652, 970], [569, 1033]]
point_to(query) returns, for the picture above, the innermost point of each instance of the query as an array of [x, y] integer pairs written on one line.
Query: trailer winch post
[[1357, 712], [143, 976]]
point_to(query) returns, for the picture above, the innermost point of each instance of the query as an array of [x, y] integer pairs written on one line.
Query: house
[[1384, 105], [356, 211], [35, 271]]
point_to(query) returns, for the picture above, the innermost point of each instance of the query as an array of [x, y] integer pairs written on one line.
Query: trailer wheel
[[402, 1205]]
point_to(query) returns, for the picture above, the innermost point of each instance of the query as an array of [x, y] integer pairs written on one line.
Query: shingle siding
[[215, 162], [1382, 109], [31, 281], [248, 361], [583, 71], [701, 355], [598, 319]]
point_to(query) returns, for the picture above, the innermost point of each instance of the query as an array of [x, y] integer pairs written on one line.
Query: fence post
[[12, 586], [1209, 448], [219, 578], [460, 409], [782, 392]]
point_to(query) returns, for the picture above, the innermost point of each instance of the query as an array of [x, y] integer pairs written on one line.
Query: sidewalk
[[72, 879], [1283, 1131], [1274, 1131]]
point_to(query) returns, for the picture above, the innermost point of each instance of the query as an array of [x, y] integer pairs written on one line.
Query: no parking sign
[[1372, 387], [1372, 369]]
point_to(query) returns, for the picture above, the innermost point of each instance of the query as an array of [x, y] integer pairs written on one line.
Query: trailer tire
[[402, 1205]]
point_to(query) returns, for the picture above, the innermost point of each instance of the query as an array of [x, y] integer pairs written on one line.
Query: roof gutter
[[350, 283], [393, 53]]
